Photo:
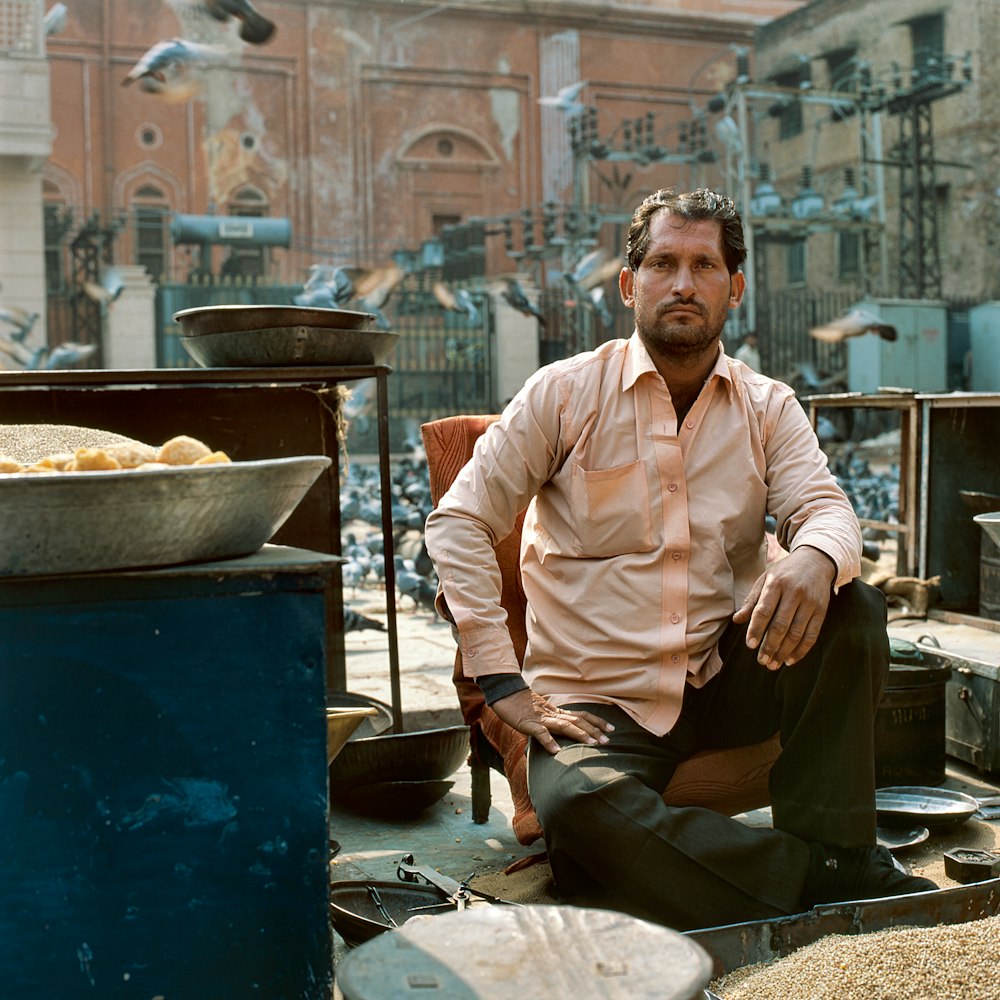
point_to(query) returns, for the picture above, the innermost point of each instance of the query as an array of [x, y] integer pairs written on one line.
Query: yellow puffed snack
[[9, 465], [92, 460], [216, 458], [54, 463], [182, 450], [132, 455], [151, 466]]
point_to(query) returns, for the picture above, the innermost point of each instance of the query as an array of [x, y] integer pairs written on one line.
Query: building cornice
[[597, 15]]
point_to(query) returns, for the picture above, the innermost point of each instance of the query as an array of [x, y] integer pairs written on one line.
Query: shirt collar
[[638, 362]]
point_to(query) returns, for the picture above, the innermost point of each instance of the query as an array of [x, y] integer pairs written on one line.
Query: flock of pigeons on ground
[[363, 543]]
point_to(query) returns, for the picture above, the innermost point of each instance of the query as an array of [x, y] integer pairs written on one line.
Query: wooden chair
[[729, 781]]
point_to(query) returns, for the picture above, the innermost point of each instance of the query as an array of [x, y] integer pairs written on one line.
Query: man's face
[[682, 289]]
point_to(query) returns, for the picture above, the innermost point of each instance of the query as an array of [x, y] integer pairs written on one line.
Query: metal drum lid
[[518, 952]]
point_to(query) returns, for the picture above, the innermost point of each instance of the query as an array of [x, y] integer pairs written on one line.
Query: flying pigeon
[[108, 289], [254, 27], [326, 287], [20, 319], [515, 296], [68, 354], [852, 324], [55, 19], [566, 99], [373, 287], [166, 59], [597, 300], [459, 301], [592, 270], [27, 357]]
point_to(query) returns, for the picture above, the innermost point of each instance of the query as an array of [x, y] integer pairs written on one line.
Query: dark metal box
[[972, 713]]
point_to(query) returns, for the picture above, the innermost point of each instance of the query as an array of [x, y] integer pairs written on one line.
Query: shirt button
[[689, 423], [675, 658], [675, 618], [672, 487], [675, 555]]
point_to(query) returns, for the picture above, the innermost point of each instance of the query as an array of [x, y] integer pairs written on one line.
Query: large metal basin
[[234, 318], [82, 522], [990, 523], [290, 345]]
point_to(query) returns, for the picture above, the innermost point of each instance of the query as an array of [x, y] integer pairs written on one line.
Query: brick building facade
[[367, 125]]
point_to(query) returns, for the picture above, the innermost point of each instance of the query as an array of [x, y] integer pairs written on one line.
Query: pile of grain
[[949, 962], [27, 443]]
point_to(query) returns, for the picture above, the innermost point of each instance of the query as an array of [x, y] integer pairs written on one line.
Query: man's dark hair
[[694, 206]]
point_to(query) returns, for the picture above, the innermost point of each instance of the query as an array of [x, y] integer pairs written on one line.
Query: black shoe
[[840, 873]]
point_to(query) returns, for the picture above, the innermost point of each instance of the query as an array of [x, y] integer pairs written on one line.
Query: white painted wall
[[130, 337], [25, 145]]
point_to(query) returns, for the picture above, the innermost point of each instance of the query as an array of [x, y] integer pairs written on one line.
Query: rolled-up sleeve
[[804, 497], [510, 462]]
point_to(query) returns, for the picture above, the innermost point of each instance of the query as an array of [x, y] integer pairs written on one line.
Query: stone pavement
[[444, 834]]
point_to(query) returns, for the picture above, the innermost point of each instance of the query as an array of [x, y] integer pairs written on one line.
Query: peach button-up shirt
[[641, 537]]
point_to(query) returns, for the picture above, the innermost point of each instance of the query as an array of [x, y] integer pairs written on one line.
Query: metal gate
[[442, 363]]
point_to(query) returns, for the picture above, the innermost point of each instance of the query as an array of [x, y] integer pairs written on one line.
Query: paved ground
[[459, 847]]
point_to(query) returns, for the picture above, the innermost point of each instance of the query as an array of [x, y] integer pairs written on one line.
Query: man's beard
[[671, 338]]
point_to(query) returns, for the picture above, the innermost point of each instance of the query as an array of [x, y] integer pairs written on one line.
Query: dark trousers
[[613, 842]]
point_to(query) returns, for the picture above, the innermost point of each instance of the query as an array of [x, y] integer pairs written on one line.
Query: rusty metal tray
[[736, 946]]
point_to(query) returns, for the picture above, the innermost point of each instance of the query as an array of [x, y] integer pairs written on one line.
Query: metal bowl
[[990, 523], [235, 318], [340, 724], [292, 345], [83, 522], [425, 755], [394, 799], [373, 725], [355, 914], [920, 805]]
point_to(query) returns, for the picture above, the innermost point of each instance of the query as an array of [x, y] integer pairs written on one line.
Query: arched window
[[57, 220], [247, 261], [150, 209]]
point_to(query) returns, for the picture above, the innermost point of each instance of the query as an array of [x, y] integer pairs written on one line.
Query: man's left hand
[[787, 605]]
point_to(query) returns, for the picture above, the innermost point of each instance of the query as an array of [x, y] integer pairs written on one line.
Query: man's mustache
[[687, 303]]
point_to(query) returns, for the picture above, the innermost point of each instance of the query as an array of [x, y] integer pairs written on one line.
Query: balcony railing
[[21, 28]]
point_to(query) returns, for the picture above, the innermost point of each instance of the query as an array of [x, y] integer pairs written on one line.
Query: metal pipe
[[743, 183]]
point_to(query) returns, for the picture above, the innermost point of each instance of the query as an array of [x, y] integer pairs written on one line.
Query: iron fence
[[442, 362], [787, 350]]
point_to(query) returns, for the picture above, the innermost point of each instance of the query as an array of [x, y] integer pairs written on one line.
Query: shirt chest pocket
[[611, 513]]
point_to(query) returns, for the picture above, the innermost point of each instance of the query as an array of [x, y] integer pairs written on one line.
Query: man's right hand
[[534, 715]]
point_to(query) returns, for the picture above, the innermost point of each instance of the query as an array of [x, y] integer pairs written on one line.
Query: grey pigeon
[[254, 27], [566, 99], [68, 354], [170, 57], [20, 319], [852, 324], [354, 621], [514, 295], [108, 289]]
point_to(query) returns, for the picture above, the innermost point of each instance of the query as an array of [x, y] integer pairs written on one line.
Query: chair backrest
[[448, 444]]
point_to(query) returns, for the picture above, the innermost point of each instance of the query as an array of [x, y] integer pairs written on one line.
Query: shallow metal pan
[[903, 805]]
